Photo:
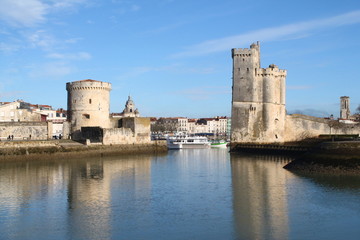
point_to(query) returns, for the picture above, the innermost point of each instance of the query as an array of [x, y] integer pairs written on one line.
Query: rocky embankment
[[28, 150], [329, 157]]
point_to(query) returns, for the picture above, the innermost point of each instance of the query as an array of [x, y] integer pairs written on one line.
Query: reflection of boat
[[185, 141], [219, 144]]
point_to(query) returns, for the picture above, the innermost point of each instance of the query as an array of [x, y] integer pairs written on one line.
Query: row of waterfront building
[[217, 126]]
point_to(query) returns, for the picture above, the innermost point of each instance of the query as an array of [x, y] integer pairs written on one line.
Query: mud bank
[[329, 158], [37, 150]]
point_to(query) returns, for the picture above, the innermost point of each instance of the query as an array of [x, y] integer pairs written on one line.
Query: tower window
[[90, 100]]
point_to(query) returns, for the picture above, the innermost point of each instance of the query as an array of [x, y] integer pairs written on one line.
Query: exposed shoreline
[[326, 157], [38, 150], [329, 161]]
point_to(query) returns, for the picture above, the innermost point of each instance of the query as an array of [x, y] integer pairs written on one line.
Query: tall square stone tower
[[258, 99]]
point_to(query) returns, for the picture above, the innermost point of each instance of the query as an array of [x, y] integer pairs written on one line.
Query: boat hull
[[219, 144], [187, 146]]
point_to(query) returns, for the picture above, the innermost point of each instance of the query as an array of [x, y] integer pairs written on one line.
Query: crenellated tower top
[[247, 57], [88, 84]]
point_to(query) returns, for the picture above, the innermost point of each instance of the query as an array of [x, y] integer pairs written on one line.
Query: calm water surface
[[186, 194]]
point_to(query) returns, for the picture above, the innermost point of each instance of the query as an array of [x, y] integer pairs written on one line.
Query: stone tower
[[258, 99], [88, 105], [344, 107]]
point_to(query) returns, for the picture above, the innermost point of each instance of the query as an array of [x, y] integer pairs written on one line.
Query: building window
[[86, 116], [90, 101]]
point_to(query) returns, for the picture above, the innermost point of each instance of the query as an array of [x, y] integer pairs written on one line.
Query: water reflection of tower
[[28, 185], [259, 197], [89, 192]]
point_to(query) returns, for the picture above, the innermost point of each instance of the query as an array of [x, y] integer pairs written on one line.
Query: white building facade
[[218, 126]]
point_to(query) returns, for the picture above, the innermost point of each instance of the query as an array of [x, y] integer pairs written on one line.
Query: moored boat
[[185, 141], [219, 144]]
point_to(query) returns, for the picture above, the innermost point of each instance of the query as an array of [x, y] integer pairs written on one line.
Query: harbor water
[[184, 194]]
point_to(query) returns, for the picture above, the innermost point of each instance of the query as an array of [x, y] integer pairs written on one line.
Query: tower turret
[[130, 110], [344, 107]]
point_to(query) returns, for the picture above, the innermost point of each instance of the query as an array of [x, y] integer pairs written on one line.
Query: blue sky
[[174, 56]]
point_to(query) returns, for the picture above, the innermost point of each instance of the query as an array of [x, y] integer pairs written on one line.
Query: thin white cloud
[[24, 13], [11, 95], [67, 3], [28, 13], [8, 48], [135, 8], [138, 71], [125, 7], [289, 31], [42, 39], [73, 40], [70, 56], [174, 68], [51, 70]]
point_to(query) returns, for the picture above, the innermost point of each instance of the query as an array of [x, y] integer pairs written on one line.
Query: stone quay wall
[[63, 149], [25, 130]]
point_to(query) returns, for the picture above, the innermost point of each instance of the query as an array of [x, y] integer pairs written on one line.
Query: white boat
[[219, 144], [185, 141]]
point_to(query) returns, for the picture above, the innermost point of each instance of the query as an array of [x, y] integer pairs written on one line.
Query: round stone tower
[[88, 105]]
